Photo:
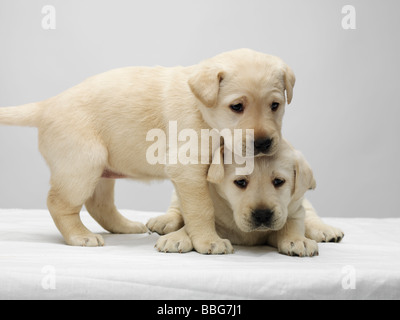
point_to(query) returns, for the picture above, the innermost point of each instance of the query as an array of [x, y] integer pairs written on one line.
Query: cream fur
[[101, 125], [296, 226]]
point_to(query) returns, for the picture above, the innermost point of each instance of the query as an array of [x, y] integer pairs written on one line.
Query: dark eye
[[242, 184], [274, 106], [278, 182], [238, 107]]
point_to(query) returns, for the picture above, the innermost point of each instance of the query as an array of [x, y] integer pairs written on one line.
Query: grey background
[[343, 116]]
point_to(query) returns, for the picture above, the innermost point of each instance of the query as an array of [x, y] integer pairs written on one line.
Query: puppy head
[[244, 89], [260, 201]]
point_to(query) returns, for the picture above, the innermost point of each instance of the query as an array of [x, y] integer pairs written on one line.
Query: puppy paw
[[214, 245], [324, 233], [85, 240], [174, 242], [130, 227], [302, 247], [165, 224]]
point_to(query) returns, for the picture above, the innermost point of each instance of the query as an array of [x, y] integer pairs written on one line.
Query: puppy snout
[[262, 217], [262, 144]]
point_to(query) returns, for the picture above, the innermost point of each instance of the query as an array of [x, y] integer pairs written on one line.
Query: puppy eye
[[278, 182], [242, 184], [238, 107], [274, 106]]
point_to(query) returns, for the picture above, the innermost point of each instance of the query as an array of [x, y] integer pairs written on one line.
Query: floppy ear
[[303, 177], [204, 83], [216, 170], [290, 80]]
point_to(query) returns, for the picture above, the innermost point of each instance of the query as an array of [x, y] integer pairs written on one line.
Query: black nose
[[262, 145], [262, 217]]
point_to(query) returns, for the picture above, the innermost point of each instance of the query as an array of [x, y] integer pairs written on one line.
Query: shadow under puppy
[[265, 207]]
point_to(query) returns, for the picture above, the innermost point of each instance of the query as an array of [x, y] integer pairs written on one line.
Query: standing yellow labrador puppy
[[99, 128]]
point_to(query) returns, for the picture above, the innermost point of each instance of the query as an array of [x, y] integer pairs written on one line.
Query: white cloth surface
[[36, 264]]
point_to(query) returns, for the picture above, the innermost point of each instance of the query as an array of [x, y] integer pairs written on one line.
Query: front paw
[[85, 240], [129, 227], [301, 247], [324, 233], [165, 224], [174, 242], [213, 245]]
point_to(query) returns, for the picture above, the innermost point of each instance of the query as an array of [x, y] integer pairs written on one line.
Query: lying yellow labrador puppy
[[98, 130], [265, 207]]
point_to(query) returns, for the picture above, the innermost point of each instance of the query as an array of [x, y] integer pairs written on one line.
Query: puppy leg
[[316, 229], [198, 214], [102, 208], [291, 238], [66, 217], [169, 222], [177, 241], [76, 163]]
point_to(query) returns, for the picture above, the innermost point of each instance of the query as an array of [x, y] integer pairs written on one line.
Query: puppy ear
[[303, 177], [205, 84], [290, 80], [216, 170]]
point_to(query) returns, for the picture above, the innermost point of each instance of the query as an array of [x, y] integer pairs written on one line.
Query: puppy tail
[[25, 115]]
